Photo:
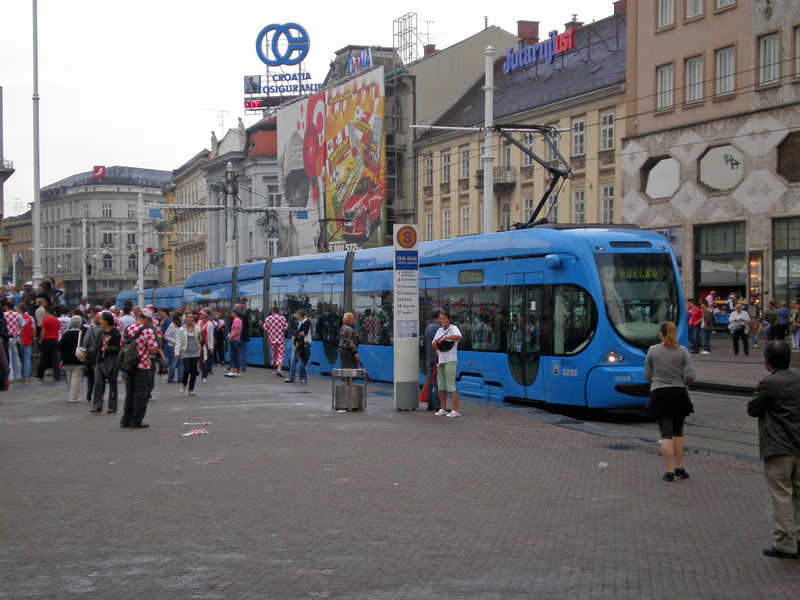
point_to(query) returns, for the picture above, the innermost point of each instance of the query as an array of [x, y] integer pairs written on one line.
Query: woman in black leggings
[[669, 370], [188, 348]]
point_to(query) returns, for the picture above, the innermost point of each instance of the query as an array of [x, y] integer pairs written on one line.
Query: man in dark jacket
[[430, 359], [776, 403]]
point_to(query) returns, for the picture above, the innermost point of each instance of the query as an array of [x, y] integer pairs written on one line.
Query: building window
[[446, 224], [789, 157], [551, 154], [464, 220], [666, 13], [108, 239], [720, 238], [726, 69], [664, 87], [694, 8], [578, 137], [482, 152], [527, 141], [85, 211], [71, 209], [552, 215], [106, 211], [273, 244], [169, 273], [505, 217], [132, 262], [507, 155], [132, 238], [608, 204], [446, 167], [428, 171], [579, 206], [694, 79], [769, 51], [251, 245], [273, 196], [131, 211], [607, 130], [68, 263], [464, 163], [429, 226], [528, 208], [68, 237], [660, 177], [721, 168], [724, 3], [107, 262]]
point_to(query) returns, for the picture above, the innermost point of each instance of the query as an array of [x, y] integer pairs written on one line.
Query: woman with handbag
[[69, 347], [188, 349], [348, 346], [669, 370]]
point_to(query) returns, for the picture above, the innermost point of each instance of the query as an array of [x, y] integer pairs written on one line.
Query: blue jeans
[[27, 352], [169, 352], [243, 355], [235, 346], [292, 363], [15, 363], [694, 338], [707, 340]]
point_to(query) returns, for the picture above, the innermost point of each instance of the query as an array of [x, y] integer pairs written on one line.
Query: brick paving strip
[[287, 499]]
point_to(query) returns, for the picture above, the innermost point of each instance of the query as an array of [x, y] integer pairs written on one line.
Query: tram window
[[254, 315], [310, 304], [374, 318], [330, 317], [574, 319], [487, 318], [457, 302]]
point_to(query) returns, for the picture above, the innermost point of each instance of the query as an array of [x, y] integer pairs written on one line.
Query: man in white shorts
[[446, 344]]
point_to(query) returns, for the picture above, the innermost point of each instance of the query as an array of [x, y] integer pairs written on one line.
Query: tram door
[[330, 321], [428, 300], [523, 341]]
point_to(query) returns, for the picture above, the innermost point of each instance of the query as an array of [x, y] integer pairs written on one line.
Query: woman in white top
[[188, 348]]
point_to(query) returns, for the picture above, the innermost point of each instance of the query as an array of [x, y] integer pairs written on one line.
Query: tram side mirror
[[553, 261]]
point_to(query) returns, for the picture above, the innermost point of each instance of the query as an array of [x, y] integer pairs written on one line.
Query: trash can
[[348, 395]]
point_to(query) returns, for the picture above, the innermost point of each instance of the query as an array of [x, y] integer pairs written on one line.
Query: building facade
[[188, 228], [19, 248], [581, 93], [107, 199], [712, 157]]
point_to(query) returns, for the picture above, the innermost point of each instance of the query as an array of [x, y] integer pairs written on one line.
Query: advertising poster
[[301, 152], [355, 164]]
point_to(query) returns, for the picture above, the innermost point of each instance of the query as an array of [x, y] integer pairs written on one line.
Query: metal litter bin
[[348, 395]]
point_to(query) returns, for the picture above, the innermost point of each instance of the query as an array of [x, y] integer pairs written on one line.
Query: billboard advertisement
[[332, 163]]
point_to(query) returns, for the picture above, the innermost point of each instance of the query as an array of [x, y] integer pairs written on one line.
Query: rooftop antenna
[[574, 17], [486, 21], [221, 113], [427, 30]]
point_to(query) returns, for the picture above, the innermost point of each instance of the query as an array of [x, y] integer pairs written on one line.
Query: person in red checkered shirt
[[14, 323], [275, 327], [139, 381]]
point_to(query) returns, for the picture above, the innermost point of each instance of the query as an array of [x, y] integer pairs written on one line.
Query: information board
[[406, 316]]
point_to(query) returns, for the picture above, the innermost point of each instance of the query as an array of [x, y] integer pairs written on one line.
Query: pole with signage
[[406, 317]]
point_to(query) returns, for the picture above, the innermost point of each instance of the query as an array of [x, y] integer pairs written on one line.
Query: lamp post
[[84, 260], [37, 201], [140, 250]]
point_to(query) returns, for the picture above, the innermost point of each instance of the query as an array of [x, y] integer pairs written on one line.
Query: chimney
[[429, 49], [574, 24], [620, 6], [528, 32]]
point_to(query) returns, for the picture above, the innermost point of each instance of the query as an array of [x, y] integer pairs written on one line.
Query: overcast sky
[[129, 82]]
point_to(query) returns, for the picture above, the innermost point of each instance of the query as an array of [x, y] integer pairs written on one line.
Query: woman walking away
[[72, 366], [190, 342], [708, 325], [348, 347], [669, 370]]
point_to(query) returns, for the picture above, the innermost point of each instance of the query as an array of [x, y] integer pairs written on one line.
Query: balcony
[[6, 169], [505, 178]]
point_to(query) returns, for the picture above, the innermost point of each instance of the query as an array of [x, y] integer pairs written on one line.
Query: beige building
[[19, 248], [188, 239], [712, 157], [581, 92]]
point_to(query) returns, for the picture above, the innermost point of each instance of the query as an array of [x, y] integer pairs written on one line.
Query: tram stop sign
[[301, 214], [406, 316]]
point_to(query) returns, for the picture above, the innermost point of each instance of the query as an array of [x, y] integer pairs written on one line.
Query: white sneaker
[[192, 394], [440, 413], [453, 413], [204, 380], [229, 375], [705, 352]]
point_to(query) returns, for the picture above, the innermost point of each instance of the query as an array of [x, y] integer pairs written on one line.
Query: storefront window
[[786, 252], [721, 238], [721, 168], [721, 260], [660, 177]]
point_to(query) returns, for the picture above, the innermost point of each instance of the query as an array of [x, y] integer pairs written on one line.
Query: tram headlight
[[613, 358]]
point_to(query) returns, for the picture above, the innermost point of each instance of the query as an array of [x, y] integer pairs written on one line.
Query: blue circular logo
[[295, 51]]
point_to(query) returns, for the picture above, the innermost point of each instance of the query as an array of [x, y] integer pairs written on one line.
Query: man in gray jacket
[[430, 356], [776, 403]]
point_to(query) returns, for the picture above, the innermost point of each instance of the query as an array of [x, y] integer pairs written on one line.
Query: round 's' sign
[[406, 237], [273, 53]]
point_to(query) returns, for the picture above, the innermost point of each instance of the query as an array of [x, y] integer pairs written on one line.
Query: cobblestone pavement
[[286, 499]]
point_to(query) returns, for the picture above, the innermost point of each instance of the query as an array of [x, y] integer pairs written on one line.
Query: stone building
[[107, 199], [712, 157], [19, 232], [580, 93], [188, 228]]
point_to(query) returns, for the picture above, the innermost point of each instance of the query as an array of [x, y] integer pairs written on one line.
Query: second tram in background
[[555, 314]]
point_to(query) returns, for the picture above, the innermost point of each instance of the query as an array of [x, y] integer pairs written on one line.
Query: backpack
[[128, 353]]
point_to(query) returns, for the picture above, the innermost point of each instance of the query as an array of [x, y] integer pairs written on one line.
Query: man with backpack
[[136, 358]]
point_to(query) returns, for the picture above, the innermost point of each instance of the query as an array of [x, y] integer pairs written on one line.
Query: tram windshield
[[640, 292]]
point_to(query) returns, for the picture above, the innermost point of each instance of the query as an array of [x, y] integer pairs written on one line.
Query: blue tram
[[555, 314]]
